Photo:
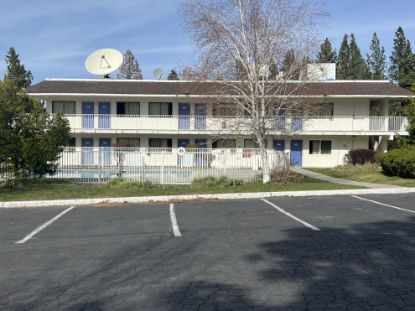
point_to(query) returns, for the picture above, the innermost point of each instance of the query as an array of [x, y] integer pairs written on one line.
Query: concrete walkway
[[341, 180]]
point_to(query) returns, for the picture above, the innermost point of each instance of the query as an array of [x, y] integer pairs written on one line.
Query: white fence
[[164, 165]]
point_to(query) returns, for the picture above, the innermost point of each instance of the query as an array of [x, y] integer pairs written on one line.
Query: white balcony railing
[[141, 123]]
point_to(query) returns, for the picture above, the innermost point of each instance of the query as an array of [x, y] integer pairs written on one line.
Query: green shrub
[[122, 183], [361, 156], [217, 182], [399, 162]]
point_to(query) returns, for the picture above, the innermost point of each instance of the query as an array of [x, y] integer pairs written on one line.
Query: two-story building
[[173, 114]]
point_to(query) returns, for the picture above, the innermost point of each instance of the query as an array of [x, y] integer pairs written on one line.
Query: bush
[[217, 182], [120, 182], [399, 162], [361, 156], [285, 177]]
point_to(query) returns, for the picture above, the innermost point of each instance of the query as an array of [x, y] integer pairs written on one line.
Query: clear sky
[[53, 37]]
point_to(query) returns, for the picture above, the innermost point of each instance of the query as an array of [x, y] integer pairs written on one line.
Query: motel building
[[173, 116]]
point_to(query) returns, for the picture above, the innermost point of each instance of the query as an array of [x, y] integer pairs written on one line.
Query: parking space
[[406, 201], [339, 211], [230, 255]]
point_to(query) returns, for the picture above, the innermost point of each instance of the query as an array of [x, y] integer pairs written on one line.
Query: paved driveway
[[315, 253]]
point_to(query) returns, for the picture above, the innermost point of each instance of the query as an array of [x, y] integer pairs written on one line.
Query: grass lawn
[[60, 189], [365, 173]]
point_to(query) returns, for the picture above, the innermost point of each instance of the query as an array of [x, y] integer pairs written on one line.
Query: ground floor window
[[320, 147], [224, 143], [160, 143], [128, 142]]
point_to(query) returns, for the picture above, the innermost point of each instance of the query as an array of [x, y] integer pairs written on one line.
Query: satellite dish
[[158, 73], [104, 61]]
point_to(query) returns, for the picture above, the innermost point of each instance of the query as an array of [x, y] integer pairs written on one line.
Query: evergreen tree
[[376, 60], [30, 143], [16, 72], [290, 67], [402, 61], [343, 60], [130, 69], [273, 71], [357, 67], [173, 75], [326, 53]]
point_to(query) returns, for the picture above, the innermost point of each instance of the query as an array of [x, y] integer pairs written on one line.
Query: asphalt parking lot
[[311, 253]]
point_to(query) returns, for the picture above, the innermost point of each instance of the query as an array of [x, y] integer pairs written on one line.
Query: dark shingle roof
[[332, 88]]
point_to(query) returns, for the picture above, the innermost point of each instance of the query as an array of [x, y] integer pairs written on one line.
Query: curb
[[224, 196]]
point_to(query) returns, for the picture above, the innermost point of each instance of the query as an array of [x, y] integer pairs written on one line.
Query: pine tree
[[273, 71], [290, 67], [173, 75], [402, 61], [343, 59], [357, 66], [16, 72], [376, 60], [326, 53], [130, 69]]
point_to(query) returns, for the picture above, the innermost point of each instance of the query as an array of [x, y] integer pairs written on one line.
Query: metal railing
[[136, 123], [164, 165]]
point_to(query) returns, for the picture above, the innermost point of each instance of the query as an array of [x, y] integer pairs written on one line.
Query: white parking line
[[291, 215], [43, 226], [174, 224], [383, 204]]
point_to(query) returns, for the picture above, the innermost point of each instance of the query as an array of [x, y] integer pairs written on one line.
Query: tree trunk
[[266, 173]]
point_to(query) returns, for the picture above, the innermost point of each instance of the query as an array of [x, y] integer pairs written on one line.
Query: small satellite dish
[[158, 73], [104, 61]]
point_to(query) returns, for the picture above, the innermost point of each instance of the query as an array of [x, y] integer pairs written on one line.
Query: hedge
[[399, 162], [361, 156]]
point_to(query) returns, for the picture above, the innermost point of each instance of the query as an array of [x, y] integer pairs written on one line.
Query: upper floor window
[[325, 110], [66, 107], [160, 109], [224, 110], [128, 108]]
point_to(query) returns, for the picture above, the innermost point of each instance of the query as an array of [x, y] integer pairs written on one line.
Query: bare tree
[[243, 38]]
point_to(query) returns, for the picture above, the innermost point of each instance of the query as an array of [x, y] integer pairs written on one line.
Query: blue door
[[88, 115], [105, 151], [87, 150], [184, 116], [201, 157], [200, 116], [279, 145], [296, 153], [297, 124], [104, 110]]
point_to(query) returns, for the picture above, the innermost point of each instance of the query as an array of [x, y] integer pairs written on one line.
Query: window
[[326, 146], [66, 107], [320, 146], [128, 108], [128, 142], [160, 109], [160, 143], [326, 110], [224, 143], [252, 144], [224, 110]]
